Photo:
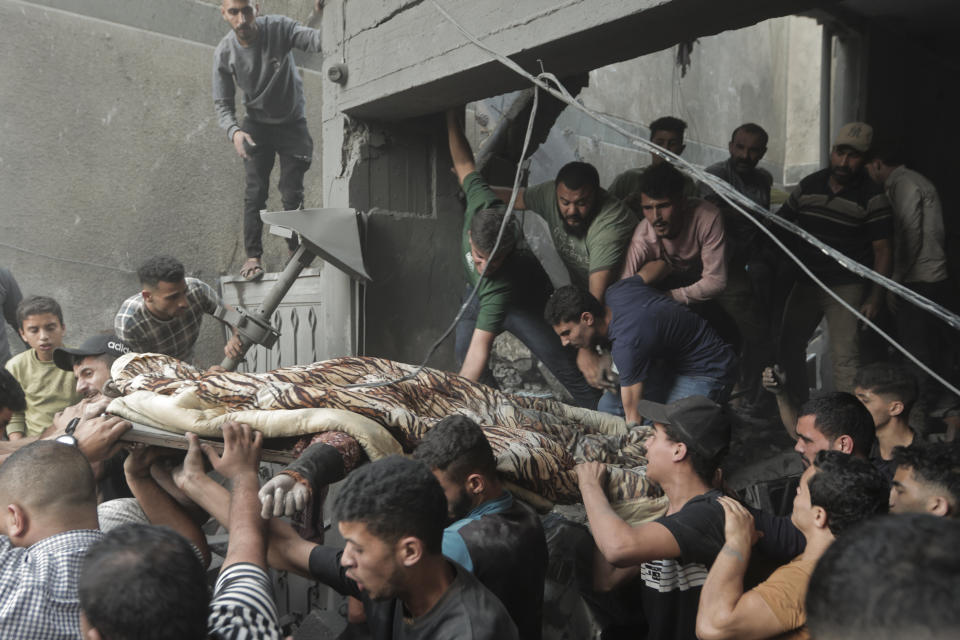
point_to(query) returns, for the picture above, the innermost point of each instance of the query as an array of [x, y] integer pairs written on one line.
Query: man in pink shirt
[[679, 244]]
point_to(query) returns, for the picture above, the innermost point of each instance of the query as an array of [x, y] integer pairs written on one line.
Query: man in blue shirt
[[496, 537], [662, 350]]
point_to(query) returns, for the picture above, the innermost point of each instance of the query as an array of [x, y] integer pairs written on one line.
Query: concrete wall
[[766, 73], [110, 153], [406, 59]]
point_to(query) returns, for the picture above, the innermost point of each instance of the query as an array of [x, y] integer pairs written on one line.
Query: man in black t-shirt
[[673, 553]]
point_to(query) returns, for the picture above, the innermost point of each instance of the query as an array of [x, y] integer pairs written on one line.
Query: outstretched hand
[[283, 495], [241, 450]]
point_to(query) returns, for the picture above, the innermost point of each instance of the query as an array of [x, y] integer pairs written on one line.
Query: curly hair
[[160, 269], [849, 489], [395, 497]]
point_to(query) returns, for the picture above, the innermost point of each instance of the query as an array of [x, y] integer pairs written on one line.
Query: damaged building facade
[[111, 150]]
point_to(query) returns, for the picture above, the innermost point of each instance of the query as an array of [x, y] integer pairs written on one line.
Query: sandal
[[251, 270]]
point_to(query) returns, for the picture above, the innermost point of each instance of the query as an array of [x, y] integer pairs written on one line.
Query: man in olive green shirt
[[513, 291], [590, 230]]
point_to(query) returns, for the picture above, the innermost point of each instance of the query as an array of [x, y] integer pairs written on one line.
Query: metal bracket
[[249, 326]]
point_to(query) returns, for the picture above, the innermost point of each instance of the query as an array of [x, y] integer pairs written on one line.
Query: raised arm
[[239, 464], [460, 152], [158, 505], [622, 545], [504, 194], [286, 550]]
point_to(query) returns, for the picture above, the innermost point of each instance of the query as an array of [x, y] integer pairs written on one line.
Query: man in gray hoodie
[[256, 58]]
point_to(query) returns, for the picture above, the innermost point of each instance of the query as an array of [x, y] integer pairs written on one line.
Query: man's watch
[[68, 438]]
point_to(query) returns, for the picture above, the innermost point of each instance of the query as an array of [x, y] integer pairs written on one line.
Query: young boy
[[888, 392], [47, 387]]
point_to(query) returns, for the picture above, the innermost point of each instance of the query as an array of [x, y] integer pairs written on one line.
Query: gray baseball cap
[[703, 424], [96, 346]]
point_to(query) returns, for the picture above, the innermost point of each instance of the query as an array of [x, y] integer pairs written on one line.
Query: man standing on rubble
[[256, 58]]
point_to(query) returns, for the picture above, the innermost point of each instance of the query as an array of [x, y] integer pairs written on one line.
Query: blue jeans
[[670, 388], [531, 329]]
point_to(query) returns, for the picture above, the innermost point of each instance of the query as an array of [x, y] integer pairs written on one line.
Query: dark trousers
[[532, 330], [292, 143]]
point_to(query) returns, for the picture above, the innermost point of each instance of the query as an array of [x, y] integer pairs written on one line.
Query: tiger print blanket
[[537, 441]]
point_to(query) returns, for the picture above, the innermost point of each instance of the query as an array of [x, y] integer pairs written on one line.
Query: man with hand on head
[[836, 492]]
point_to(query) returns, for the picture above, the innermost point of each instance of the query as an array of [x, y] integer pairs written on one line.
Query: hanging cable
[[739, 202], [507, 216]]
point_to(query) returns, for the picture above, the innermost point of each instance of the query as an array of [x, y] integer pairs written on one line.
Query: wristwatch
[[68, 437]]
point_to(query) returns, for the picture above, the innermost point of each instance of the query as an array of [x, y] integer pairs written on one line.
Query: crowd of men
[[674, 306]]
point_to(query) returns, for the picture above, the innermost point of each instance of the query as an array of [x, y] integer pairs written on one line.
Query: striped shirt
[[38, 586], [145, 333], [849, 220], [243, 606]]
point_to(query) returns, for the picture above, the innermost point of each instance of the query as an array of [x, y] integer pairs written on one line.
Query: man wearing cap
[[673, 553], [843, 208], [91, 362]]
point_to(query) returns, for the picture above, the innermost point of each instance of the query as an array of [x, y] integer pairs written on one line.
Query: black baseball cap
[[703, 424], [96, 346]]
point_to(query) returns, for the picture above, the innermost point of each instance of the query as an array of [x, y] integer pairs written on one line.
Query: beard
[[578, 228], [460, 507], [842, 175]]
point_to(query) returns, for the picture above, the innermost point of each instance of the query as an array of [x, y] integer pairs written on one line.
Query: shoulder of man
[[472, 603], [541, 197], [698, 527]]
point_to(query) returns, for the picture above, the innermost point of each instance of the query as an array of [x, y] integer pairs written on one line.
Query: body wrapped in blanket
[[537, 442]]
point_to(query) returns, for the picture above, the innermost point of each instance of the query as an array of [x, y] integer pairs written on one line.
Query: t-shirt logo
[[670, 575]]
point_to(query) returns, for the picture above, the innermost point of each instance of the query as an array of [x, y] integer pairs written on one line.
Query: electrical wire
[[739, 202], [507, 216], [67, 260]]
